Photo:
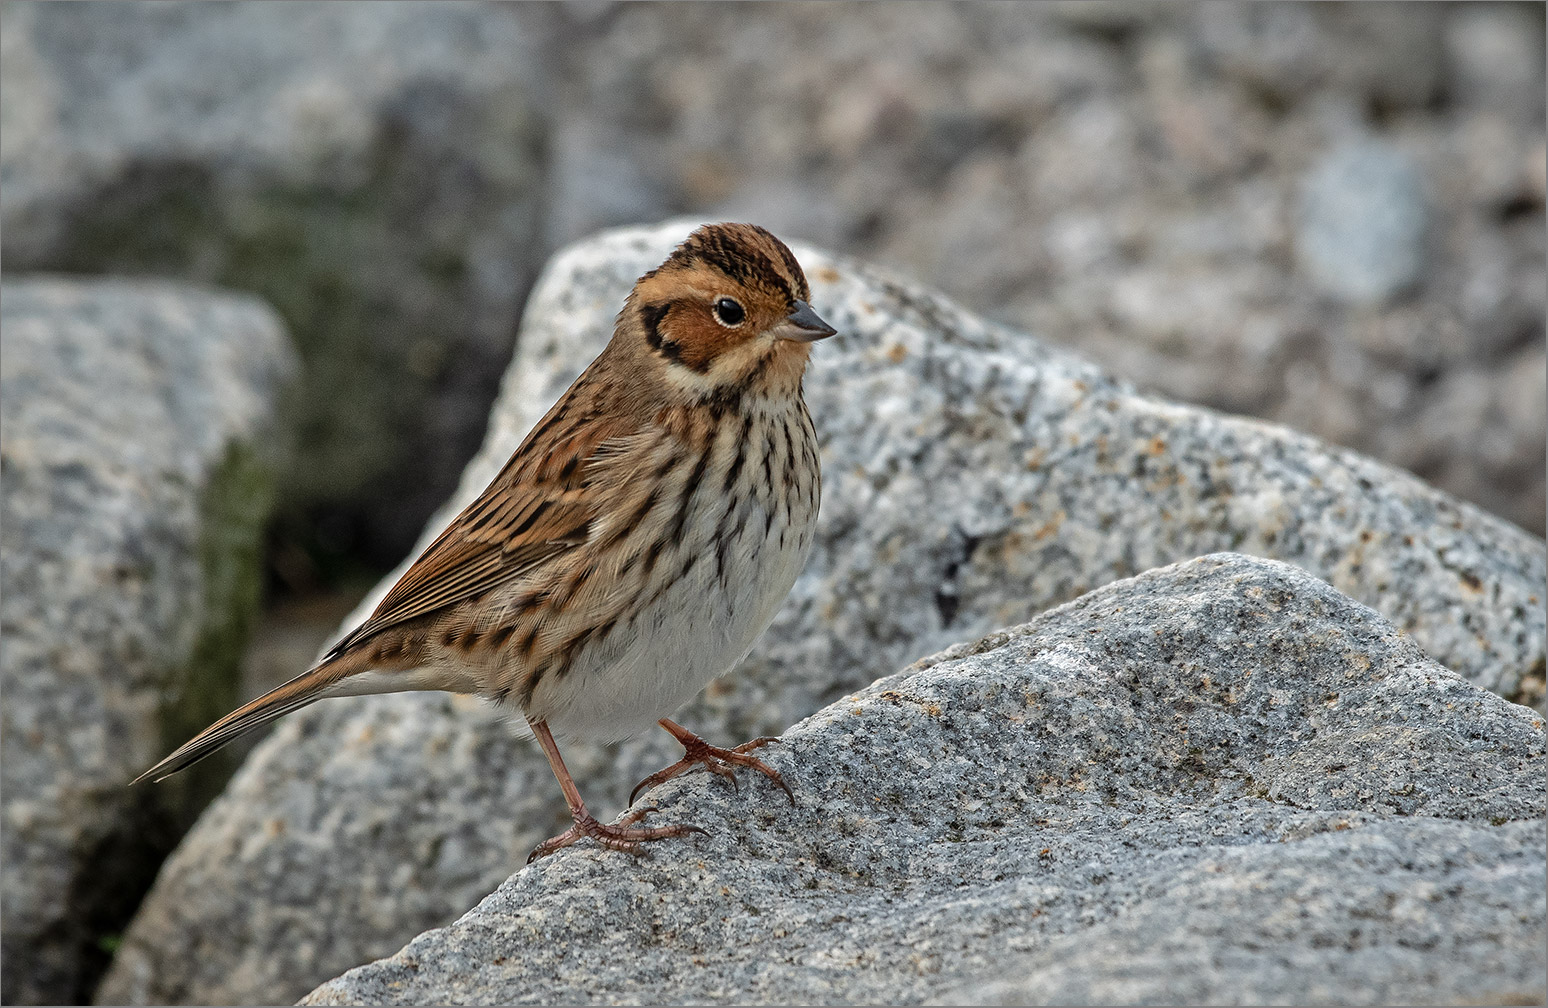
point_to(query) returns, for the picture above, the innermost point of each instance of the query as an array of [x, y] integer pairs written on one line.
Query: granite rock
[[141, 427], [974, 476], [1363, 220], [372, 171], [1122, 180], [1218, 782]]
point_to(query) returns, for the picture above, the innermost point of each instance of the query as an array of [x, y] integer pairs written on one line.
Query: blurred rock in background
[[373, 171], [1330, 216], [1158, 186]]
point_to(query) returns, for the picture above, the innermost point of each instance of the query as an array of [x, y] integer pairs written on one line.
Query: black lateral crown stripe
[[793, 270]]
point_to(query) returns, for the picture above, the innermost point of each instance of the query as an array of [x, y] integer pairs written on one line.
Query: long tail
[[297, 693]]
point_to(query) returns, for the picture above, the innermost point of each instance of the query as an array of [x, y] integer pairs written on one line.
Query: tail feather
[[293, 695]]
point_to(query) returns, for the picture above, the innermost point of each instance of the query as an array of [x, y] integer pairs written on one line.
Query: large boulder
[[1141, 182], [140, 438], [373, 172], [974, 477], [1217, 783]]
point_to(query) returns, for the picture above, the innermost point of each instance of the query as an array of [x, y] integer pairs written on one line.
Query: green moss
[[234, 509], [310, 253], [329, 259]]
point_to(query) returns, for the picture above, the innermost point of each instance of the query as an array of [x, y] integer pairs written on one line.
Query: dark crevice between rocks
[[304, 249]]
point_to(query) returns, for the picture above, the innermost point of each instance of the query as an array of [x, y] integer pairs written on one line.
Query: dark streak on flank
[[690, 485], [528, 641], [738, 455], [529, 687], [653, 554], [768, 461], [571, 648], [723, 540]]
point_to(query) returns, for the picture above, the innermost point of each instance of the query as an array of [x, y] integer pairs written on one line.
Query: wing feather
[[540, 507]]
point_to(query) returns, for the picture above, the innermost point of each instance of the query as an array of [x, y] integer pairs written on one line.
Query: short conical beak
[[804, 325]]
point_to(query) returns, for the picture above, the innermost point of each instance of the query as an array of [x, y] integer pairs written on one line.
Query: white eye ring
[[728, 312]]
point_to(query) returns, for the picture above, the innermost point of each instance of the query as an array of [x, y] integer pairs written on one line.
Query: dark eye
[[729, 313]]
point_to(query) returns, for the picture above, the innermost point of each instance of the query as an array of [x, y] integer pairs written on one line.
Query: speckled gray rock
[[973, 477], [1362, 222], [1123, 179], [138, 443], [1220, 782], [371, 171]]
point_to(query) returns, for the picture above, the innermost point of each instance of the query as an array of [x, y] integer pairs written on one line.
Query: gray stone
[[973, 477], [1362, 224], [371, 171], [1219, 782], [1122, 180], [140, 437]]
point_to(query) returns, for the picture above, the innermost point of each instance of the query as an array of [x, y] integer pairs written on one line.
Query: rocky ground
[[1056, 238], [360, 823], [1217, 782]]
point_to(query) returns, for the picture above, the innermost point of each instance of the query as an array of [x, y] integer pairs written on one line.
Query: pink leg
[[624, 836], [697, 752]]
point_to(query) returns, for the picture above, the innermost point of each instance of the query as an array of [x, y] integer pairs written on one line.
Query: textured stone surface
[[1220, 782], [139, 442], [1363, 219], [371, 171], [973, 477]]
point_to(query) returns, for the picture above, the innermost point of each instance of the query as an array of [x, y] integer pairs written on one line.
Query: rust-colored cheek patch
[[698, 340]]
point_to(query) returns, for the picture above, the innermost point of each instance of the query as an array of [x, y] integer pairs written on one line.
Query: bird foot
[[699, 753], [621, 836]]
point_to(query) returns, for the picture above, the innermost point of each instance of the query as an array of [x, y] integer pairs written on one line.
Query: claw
[[622, 836], [699, 753]]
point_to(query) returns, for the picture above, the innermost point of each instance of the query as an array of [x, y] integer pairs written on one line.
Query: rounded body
[[713, 591]]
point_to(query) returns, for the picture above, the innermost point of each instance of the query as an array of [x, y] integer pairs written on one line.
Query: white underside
[[648, 667]]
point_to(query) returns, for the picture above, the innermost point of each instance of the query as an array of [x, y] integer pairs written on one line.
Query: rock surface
[[140, 426], [1363, 222], [1219, 782], [1124, 179], [373, 172], [973, 477]]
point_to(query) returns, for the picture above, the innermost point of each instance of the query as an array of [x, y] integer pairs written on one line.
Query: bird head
[[726, 312]]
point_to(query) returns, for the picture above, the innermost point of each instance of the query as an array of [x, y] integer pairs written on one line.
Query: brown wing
[[539, 507]]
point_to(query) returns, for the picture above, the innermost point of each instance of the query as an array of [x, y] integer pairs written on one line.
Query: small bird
[[632, 548]]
